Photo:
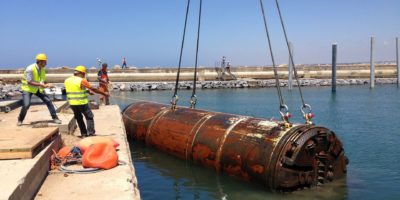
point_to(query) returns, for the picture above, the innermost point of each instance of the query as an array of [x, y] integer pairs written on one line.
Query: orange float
[[102, 155], [85, 143]]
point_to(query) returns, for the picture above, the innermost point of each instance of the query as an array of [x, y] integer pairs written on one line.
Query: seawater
[[366, 120]]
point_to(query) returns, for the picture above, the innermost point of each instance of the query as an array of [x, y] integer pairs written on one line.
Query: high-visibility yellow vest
[[75, 94], [36, 77]]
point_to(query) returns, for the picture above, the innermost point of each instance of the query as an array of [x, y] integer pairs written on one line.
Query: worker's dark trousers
[[26, 103], [87, 112]]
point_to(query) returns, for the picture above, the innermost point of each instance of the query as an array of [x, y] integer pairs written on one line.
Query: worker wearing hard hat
[[34, 82], [102, 77], [78, 89]]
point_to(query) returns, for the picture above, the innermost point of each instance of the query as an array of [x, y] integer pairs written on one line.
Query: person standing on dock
[[78, 89], [123, 63], [34, 82], [102, 77]]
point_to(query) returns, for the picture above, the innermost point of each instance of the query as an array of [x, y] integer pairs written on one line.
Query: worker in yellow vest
[[33, 82], [78, 89]]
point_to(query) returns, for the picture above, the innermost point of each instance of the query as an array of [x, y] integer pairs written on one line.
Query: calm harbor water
[[367, 122]]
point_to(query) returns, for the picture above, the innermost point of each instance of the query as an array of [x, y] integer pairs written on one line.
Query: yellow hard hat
[[41, 56], [81, 68]]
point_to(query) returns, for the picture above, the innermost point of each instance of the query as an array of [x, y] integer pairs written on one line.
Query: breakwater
[[147, 79], [243, 83], [350, 71], [10, 90]]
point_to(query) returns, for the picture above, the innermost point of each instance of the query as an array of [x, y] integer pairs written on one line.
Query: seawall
[[359, 71], [247, 77]]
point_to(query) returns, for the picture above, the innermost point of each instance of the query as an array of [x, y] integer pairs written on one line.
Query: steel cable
[[281, 101], [175, 97], [193, 98], [291, 56]]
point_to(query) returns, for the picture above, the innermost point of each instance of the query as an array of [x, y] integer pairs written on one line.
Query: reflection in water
[[188, 181]]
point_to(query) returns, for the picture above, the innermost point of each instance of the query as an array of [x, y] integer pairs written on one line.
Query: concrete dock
[[21, 178], [117, 183], [28, 178]]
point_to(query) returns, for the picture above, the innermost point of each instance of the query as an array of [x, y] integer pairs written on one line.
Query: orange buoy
[[87, 142], [101, 155]]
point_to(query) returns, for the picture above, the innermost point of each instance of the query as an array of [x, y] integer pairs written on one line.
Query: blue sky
[[148, 32]]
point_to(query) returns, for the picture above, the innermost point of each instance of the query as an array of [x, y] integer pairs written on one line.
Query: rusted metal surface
[[252, 149]]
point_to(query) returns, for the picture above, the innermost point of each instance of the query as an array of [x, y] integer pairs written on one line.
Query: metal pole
[[334, 53], [372, 64], [397, 61], [290, 68]]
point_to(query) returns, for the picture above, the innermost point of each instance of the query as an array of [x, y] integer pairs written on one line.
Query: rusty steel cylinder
[[253, 149]]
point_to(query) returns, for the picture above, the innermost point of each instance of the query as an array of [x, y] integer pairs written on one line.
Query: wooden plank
[[37, 173], [25, 142], [15, 155], [61, 105]]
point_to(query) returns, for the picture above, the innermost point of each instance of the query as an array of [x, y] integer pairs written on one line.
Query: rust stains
[[253, 149]]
